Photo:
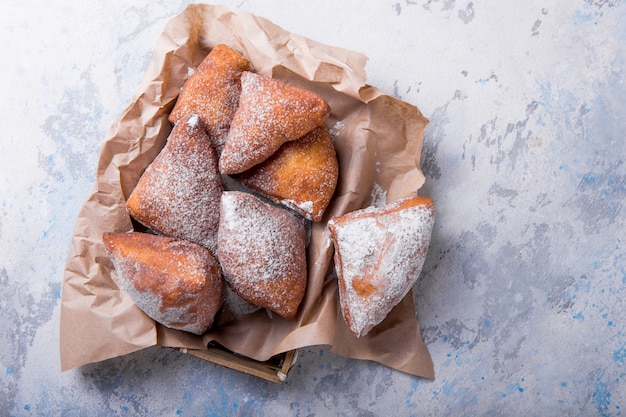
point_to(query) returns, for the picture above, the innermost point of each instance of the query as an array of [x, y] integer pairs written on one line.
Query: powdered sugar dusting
[[151, 302], [335, 131], [179, 193], [303, 207], [237, 305], [176, 283], [260, 223], [379, 255], [270, 113], [262, 252], [379, 196], [193, 120]]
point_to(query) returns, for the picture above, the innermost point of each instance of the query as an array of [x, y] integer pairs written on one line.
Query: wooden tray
[[276, 369]]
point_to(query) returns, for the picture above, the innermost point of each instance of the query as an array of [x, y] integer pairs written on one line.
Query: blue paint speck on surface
[[602, 398], [10, 370], [188, 398], [447, 389], [56, 293], [620, 354], [411, 392], [580, 17], [579, 316], [27, 407], [589, 180], [179, 411]]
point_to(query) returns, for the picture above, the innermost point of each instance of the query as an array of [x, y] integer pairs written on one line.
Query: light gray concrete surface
[[522, 298]]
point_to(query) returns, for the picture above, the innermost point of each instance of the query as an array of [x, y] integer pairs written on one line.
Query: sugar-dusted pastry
[[212, 92], [261, 249], [270, 113], [379, 254], [179, 193], [175, 282], [301, 175]]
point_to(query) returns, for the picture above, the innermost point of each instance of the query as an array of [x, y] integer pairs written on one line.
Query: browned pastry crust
[[379, 254], [261, 249], [301, 175], [270, 113], [212, 92], [179, 193], [175, 282]]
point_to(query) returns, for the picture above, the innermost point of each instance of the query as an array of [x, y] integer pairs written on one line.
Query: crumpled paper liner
[[378, 141]]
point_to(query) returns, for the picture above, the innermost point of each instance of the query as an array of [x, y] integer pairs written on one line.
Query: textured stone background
[[522, 299]]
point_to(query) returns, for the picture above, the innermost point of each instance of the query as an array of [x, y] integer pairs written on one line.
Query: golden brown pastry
[[179, 193], [261, 249], [270, 113], [379, 254], [212, 92], [175, 282], [301, 175]]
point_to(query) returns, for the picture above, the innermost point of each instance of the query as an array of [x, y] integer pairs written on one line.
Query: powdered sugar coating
[[270, 113], [261, 249], [378, 195], [175, 282], [193, 120], [179, 193], [304, 207], [379, 253], [236, 305]]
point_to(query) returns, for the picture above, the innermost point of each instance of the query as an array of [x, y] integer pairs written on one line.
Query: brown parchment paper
[[378, 141]]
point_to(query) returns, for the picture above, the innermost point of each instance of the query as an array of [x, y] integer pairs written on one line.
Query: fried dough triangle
[[179, 193], [379, 254], [270, 113], [301, 175], [262, 251], [212, 92], [175, 282]]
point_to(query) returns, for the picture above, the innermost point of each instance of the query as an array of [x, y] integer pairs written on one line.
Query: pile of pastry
[[206, 240]]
